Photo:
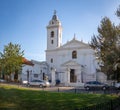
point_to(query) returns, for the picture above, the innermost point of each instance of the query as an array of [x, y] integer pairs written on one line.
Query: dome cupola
[[55, 16], [54, 20]]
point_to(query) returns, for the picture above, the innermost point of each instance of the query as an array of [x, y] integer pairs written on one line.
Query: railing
[[111, 105], [93, 91]]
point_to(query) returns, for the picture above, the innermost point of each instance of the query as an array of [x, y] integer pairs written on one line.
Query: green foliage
[[118, 12], [105, 45], [11, 59]]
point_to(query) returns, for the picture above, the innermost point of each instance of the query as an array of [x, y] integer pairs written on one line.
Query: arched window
[[74, 54], [51, 60], [52, 22], [52, 34], [51, 68]]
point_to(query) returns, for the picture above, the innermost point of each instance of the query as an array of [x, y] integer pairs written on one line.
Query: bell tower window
[[74, 54], [52, 34], [52, 22], [52, 41], [51, 60]]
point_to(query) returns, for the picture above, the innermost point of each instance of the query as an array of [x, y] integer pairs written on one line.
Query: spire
[[55, 12], [54, 21], [55, 16]]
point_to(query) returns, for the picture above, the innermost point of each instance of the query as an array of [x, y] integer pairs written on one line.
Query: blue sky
[[24, 22]]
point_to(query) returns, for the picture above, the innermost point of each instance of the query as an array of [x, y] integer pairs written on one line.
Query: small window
[[51, 68], [43, 76], [51, 60], [52, 22], [74, 54], [36, 75], [52, 34], [41, 71], [52, 41]]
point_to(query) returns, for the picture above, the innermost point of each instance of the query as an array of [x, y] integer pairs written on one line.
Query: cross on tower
[[55, 12]]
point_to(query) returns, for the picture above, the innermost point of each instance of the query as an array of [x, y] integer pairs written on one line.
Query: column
[[53, 76], [67, 77]]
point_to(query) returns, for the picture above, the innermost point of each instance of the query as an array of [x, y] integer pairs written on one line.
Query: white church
[[72, 63]]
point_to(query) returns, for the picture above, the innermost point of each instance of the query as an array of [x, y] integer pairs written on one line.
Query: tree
[[118, 12], [105, 46], [117, 63], [11, 59], [117, 70]]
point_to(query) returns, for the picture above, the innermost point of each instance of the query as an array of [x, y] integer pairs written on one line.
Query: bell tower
[[54, 33]]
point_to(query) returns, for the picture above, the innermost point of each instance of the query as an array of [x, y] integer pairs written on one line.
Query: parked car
[[2, 80], [24, 82], [95, 85], [40, 83], [117, 85]]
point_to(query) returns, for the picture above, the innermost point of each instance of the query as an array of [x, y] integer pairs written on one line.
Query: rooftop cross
[[55, 12], [74, 36]]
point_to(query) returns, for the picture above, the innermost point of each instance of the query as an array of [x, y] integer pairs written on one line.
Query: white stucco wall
[[36, 71], [84, 57]]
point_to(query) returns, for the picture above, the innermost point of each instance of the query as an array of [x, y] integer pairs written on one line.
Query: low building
[[35, 70]]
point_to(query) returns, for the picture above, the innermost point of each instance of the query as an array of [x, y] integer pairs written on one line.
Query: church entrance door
[[72, 76]]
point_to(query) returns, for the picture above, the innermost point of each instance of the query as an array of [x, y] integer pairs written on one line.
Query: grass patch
[[13, 98]]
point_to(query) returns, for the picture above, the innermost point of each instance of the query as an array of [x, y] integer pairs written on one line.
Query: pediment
[[70, 63], [75, 44]]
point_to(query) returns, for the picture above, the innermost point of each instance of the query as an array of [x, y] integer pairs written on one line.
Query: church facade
[[72, 63]]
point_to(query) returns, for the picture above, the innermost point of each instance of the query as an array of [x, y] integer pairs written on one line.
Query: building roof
[[54, 21], [75, 43], [27, 62]]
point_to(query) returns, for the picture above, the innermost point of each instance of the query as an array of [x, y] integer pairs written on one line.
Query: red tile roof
[[27, 62]]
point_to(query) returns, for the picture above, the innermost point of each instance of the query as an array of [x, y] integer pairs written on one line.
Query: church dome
[[54, 17], [54, 20]]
